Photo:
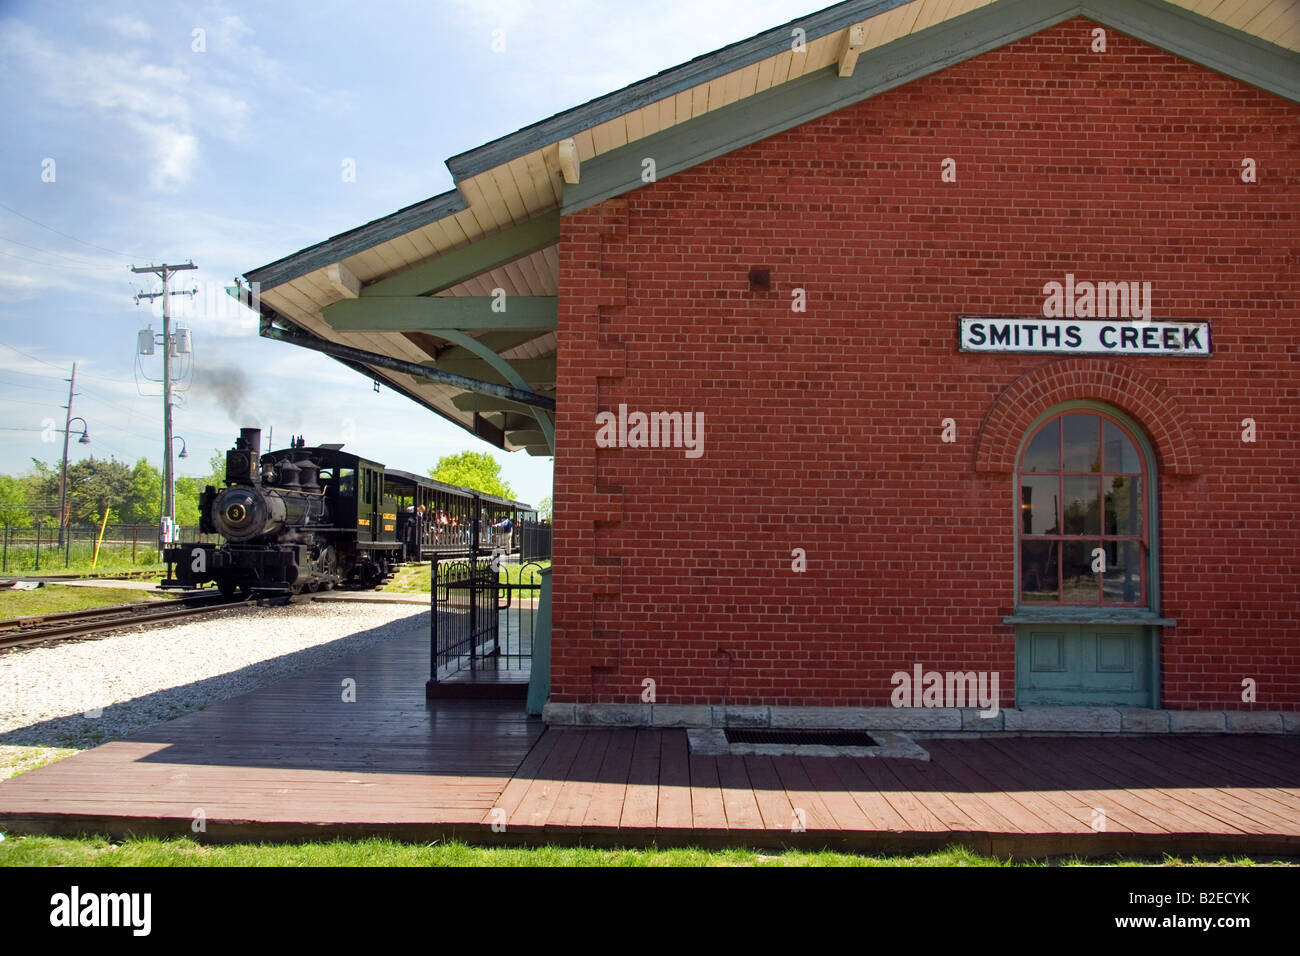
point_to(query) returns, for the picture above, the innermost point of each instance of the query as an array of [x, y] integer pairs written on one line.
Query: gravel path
[[81, 694]]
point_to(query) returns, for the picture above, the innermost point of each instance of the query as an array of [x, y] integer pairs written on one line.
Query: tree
[[472, 469], [96, 486], [13, 502], [216, 471], [189, 489], [42, 487], [544, 508], [187, 500], [144, 501]]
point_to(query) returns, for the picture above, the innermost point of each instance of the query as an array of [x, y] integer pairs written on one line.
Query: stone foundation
[[944, 720]]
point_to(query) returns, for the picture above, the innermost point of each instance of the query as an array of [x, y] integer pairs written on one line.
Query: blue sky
[[231, 155]]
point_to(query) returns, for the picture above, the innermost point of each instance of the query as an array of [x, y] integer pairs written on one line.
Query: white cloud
[[129, 27]]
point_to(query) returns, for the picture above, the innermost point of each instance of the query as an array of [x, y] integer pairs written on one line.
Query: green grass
[[22, 560], [414, 578], [17, 760], [55, 598], [98, 851]]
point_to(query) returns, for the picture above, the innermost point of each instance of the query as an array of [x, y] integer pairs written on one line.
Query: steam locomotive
[[308, 519]]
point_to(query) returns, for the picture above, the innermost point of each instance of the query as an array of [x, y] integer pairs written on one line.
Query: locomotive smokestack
[[242, 460], [250, 440]]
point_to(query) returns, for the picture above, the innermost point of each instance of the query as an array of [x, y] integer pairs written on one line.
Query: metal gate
[[465, 615], [483, 620]]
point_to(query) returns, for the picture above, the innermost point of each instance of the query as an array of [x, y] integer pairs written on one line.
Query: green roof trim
[[1163, 25], [701, 69]]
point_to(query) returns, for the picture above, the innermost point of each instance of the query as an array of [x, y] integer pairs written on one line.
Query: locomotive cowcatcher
[[294, 520]]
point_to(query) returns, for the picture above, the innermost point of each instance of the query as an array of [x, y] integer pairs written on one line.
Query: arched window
[[1084, 524]]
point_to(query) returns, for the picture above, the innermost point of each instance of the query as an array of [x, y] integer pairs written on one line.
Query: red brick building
[[963, 340]]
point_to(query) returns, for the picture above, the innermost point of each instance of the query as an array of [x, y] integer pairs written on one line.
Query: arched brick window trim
[[1117, 384]]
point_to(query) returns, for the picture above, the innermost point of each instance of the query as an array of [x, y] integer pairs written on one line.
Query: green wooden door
[[1084, 664]]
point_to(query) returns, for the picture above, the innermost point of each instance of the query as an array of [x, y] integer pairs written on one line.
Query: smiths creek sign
[[1087, 318], [983, 333]]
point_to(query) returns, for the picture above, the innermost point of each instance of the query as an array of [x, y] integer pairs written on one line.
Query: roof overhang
[[465, 282]]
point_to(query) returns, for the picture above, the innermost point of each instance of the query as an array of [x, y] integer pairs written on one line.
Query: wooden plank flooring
[[296, 759]]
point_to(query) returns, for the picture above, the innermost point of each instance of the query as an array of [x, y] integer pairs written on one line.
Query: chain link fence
[[37, 548]]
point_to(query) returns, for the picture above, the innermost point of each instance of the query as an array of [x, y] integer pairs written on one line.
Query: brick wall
[[822, 429]]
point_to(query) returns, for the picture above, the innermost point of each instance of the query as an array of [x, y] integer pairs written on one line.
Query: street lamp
[[169, 492], [63, 480]]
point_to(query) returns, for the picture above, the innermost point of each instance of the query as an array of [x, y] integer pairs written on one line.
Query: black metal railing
[[534, 540], [518, 614], [465, 615], [483, 619]]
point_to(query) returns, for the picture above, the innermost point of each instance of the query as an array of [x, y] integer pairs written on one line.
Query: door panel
[[1083, 664]]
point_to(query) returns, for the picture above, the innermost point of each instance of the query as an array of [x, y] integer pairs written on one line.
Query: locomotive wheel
[[230, 589]]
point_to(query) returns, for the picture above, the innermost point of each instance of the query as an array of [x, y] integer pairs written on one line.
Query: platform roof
[[413, 290]]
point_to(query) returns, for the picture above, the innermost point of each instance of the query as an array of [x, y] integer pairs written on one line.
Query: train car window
[[347, 482]]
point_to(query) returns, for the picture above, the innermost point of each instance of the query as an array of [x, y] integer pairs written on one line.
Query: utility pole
[[165, 272], [63, 477]]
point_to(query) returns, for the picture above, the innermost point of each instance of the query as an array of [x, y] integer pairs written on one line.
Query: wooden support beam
[[569, 164], [478, 257], [469, 402], [540, 451], [855, 41], [541, 371], [513, 421], [426, 313], [423, 370], [343, 280], [532, 436]]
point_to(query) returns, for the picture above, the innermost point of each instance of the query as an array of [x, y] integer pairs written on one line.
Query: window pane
[[1082, 506], [1122, 582], [1121, 456], [1078, 581], [1039, 505], [1037, 571], [1081, 437], [1044, 452], [1123, 505]]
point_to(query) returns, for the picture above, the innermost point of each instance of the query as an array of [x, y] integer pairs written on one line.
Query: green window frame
[[1083, 502]]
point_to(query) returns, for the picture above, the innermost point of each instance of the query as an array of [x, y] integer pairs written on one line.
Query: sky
[[139, 133]]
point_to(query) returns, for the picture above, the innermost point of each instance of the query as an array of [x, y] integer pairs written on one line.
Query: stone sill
[[1080, 720], [1121, 617]]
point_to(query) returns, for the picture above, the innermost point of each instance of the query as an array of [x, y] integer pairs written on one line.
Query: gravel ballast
[[80, 694]]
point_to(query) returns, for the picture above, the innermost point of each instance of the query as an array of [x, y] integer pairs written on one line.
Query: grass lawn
[[17, 760], [54, 598], [414, 578], [95, 851]]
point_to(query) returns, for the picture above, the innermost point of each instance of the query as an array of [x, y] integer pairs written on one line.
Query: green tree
[[216, 470], [144, 501], [13, 502], [96, 485], [187, 499], [42, 487], [472, 469], [544, 508]]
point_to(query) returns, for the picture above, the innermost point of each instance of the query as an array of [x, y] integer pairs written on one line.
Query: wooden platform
[[294, 760]]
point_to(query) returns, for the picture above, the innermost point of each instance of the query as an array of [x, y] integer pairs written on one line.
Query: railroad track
[[95, 622]]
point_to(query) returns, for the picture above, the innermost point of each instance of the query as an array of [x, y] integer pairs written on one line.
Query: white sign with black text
[[997, 333]]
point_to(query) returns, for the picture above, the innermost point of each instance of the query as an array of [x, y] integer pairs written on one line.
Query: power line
[[22, 384], [82, 264], [68, 235], [33, 358]]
